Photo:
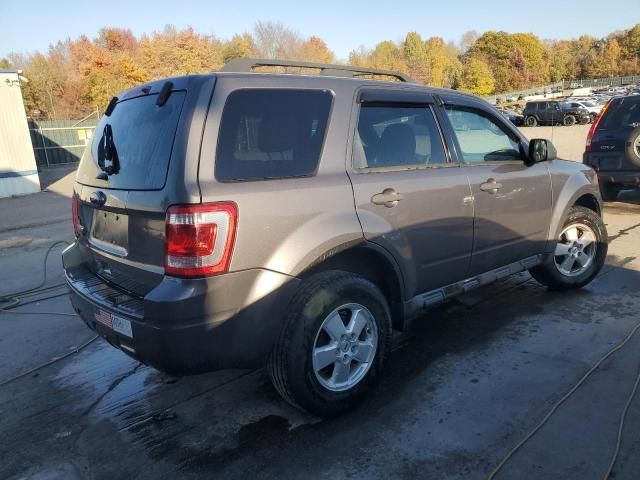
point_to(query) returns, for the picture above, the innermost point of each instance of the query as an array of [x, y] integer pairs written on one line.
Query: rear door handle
[[490, 186], [389, 198]]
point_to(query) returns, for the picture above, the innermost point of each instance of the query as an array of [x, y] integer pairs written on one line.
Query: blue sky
[[31, 25]]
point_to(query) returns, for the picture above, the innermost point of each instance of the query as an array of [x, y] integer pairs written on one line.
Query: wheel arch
[[589, 200], [373, 263], [575, 189]]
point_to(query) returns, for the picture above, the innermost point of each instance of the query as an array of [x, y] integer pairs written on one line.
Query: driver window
[[397, 136], [481, 139]]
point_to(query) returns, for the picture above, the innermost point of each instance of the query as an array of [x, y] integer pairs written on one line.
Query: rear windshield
[[271, 133], [624, 112], [142, 136]]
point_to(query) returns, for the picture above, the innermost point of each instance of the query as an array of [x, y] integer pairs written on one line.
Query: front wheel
[[569, 120], [531, 121], [579, 254], [334, 344]]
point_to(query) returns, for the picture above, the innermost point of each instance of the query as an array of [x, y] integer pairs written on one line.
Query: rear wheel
[[633, 146], [579, 254], [569, 120], [584, 120], [609, 191], [531, 121], [334, 344]]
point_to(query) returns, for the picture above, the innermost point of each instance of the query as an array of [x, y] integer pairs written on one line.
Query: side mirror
[[541, 150]]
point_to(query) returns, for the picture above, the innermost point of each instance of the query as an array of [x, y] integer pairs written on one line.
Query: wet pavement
[[463, 386]]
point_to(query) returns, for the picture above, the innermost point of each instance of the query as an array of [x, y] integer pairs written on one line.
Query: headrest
[[399, 136]]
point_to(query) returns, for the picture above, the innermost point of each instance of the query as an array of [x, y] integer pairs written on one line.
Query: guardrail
[[557, 87]]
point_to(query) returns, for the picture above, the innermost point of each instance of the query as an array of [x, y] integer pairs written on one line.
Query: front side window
[[271, 133], [397, 136], [482, 139]]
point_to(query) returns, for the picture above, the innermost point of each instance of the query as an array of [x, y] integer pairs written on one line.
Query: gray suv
[[240, 219]]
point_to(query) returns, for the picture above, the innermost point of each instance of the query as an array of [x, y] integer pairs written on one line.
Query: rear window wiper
[[111, 106], [107, 152]]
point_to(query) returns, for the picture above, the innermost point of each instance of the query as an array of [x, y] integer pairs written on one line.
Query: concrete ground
[[461, 389]]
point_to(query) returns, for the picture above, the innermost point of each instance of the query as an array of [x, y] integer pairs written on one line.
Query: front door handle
[[389, 198], [490, 186]]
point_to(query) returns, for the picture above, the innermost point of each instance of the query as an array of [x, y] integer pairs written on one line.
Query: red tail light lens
[[594, 126], [200, 239], [74, 214]]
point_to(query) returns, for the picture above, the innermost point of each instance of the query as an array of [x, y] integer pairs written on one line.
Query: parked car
[[240, 219], [613, 146], [589, 106], [551, 113], [512, 116]]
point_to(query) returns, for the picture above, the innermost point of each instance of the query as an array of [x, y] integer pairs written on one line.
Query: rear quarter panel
[[285, 225]]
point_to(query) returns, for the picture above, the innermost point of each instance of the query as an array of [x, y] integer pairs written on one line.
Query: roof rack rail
[[248, 64]]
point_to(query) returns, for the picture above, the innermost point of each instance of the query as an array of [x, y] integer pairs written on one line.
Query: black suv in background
[[613, 146], [552, 113]]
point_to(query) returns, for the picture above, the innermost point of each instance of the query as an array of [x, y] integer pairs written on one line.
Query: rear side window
[[623, 113], [271, 133], [141, 136]]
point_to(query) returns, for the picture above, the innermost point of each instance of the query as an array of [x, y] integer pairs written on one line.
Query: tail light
[[594, 126], [200, 239], [75, 214]]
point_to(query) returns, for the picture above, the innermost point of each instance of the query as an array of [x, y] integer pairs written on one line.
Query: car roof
[[328, 79]]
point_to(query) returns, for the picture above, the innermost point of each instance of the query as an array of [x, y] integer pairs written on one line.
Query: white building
[[18, 170]]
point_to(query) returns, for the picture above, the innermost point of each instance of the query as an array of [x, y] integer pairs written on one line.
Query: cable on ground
[[14, 302], [566, 396], [13, 299], [50, 362]]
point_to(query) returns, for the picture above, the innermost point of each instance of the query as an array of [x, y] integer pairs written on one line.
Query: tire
[[550, 272], [291, 365], [609, 191], [592, 117], [569, 121], [633, 147], [531, 121], [584, 120]]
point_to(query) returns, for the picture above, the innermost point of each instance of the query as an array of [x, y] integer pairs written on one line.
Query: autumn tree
[[173, 52], [314, 49], [75, 77], [477, 77], [240, 46], [274, 40]]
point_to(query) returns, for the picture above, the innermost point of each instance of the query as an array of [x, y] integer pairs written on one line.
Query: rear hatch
[[609, 140], [132, 171]]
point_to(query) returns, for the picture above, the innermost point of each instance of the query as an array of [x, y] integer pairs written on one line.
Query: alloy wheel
[[576, 250], [345, 347]]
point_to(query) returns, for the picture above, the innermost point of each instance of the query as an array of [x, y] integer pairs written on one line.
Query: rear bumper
[[627, 179], [189, 326]]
